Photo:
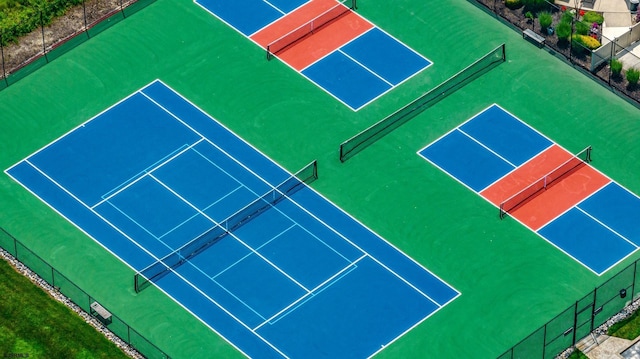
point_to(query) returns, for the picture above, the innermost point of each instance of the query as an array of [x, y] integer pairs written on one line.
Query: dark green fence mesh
[[76, 294], [581, 318]]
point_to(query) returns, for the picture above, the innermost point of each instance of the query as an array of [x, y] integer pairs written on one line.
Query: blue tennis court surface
[[301, 280], [357, 73], [598, 229]]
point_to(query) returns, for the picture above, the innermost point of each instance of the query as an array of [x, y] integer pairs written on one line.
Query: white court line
[[92, 211], [128, 183], [250, 253], [312, 292], [605, 226], [365, 67], [485, 147]]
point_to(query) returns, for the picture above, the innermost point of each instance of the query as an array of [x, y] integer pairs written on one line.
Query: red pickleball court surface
[[344, 26], [549, 203]]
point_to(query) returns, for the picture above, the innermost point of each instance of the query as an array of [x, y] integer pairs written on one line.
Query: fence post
[[4, 72], [44, 44], [84, 15], [575, 324], [544, 340], [633, 284], [593, 309]]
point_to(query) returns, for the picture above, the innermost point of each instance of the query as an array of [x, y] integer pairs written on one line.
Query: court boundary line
[[350, 41], [310, 294], [159, 163], [319, 195], [362, 65], [146, 172], [610, 180], [605, 225], [487, 148], [374, 26]]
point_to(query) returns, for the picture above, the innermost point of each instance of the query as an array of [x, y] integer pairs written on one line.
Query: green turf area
[[628, 328], [35, 325], [511, 280]]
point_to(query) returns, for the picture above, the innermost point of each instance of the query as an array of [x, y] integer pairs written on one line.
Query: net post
[[502, 212], [136, 284], [315, 170], [354, 6], [588, 155], [268, 54]]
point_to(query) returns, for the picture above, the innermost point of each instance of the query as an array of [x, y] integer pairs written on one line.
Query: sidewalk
[[613, 348], [616, 12]]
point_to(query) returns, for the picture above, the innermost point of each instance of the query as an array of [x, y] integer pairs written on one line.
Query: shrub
[[587, 41], [563, 31], [20, 17], [633, 75], [545, 19], [616, 67], [582, 28], [529, 16], [567, 17], [592, 16], [513, 4]]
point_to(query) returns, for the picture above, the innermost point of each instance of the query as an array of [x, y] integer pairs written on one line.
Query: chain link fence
[[78, 296], [581, 318], [22, 55]]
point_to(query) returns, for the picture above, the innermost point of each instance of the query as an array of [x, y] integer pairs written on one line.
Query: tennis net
[[173, 260], [304, 30], [548, 180], [368, 136]]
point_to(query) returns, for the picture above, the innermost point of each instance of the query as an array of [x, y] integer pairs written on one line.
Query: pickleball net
[[188, 251], [539, 186], [373, 133], [289, 39]]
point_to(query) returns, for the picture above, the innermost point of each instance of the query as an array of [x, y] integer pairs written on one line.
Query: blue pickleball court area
[[601, 230], [485, 148], [366, 68], [154, 172], [356, 74], [249, 16]]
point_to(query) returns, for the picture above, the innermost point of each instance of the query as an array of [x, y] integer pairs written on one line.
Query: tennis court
[[286, 273], [559, 196], [327, 42]]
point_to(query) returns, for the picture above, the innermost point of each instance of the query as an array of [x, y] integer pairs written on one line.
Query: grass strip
[[35, 325], [628, 328]]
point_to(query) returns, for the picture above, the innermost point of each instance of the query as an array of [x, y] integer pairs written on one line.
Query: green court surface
[[511, 280]]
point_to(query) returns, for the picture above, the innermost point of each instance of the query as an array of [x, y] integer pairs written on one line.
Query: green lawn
[[629, 328], [33, 323]]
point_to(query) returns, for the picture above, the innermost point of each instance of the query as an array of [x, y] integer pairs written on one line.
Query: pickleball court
[[560, 196], [327, 42]]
